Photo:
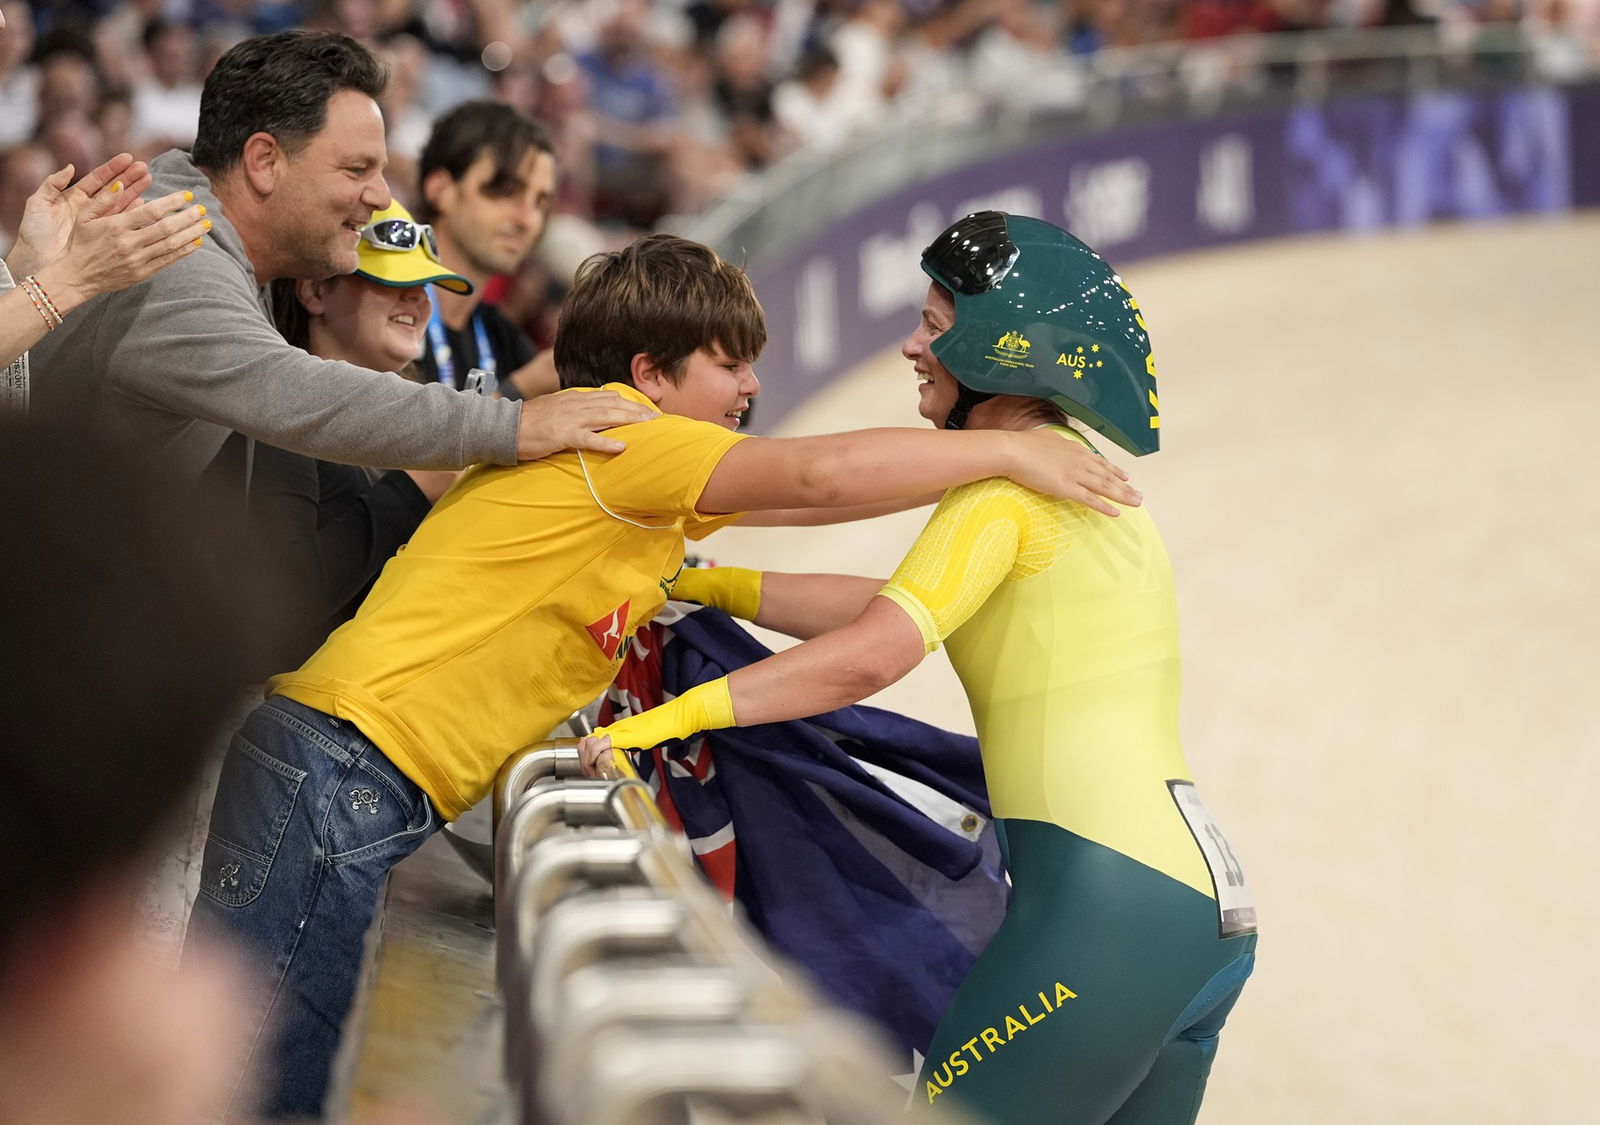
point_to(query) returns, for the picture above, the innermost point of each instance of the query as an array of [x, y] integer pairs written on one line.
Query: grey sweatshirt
[[185, 357]]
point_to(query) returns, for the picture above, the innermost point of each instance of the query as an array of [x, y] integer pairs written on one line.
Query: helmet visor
[[974, 255]]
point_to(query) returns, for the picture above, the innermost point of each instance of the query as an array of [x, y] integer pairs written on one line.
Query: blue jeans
[[308, 819]]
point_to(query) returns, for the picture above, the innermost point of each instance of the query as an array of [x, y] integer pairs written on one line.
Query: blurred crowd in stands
[[656, 109]]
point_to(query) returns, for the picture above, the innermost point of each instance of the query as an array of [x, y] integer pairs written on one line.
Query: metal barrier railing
[[632, 992]]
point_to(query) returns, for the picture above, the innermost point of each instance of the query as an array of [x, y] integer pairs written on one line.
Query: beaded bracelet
[[40, 309], [42, 302], [36, 287]]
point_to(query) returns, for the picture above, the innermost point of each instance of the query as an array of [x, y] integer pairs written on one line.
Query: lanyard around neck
[[439, 341]]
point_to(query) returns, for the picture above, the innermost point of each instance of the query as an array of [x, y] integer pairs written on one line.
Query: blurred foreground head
[[128, 628]]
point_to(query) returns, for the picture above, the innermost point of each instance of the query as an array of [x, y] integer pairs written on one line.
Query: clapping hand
[[52, 211]]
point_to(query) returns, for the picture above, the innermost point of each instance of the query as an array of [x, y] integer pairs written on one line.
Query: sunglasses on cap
[[402, 235]]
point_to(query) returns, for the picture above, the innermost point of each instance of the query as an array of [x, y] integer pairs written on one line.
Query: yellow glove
[[706, 707], [732, 589]]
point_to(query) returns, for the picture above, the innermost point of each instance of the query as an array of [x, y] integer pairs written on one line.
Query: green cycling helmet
[[1039, 314]]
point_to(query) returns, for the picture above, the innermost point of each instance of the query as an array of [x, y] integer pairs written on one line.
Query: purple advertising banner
[[849, 292]]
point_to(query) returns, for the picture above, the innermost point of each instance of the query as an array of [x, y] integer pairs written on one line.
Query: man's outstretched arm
[[191, 341]]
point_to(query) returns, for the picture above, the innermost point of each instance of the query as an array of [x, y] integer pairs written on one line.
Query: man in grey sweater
[[288, 164]]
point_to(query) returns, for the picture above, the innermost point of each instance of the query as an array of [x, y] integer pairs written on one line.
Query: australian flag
[[858, 842]]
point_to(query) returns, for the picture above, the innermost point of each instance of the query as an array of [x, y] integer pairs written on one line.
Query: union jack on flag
[[857, 842], [638, 687]]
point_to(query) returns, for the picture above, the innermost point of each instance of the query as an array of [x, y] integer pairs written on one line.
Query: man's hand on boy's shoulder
[[551, 423]]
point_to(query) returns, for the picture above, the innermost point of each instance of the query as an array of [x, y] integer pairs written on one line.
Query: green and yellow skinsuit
[[1131, 931], [1100, 998]]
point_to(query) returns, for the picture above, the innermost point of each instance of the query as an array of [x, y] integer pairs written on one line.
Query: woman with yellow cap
[[376, 317]]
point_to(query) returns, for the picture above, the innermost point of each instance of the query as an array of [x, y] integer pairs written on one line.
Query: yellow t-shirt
[[1062, 624], [513, 603]]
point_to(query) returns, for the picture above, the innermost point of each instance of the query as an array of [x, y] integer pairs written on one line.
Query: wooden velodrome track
[[1381, 494]]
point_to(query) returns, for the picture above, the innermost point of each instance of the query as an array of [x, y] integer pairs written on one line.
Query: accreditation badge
[[1236, 905]]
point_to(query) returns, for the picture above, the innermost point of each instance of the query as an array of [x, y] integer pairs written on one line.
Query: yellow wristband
[[732, 589], [705, 707]]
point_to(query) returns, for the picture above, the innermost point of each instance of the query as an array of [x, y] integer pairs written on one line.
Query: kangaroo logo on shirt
[[607, 632]]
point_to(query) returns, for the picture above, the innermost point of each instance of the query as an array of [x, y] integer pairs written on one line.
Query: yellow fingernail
[[199, 242], [206, 224], [116, 187], [188, 197]]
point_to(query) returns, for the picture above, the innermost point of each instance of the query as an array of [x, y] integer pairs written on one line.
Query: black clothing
[[511, 347], [327, 529]]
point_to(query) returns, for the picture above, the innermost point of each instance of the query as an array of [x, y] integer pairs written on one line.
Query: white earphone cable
[[622, 519]]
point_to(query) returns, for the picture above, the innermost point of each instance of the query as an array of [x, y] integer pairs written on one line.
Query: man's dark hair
[[474, 128], [662, 295], [279, 84], [130, 627]]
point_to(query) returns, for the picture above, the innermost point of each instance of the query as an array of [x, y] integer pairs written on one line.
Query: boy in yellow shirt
[[511, 607]]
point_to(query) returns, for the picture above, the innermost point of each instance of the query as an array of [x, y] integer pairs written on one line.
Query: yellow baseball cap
[[397, 250]]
